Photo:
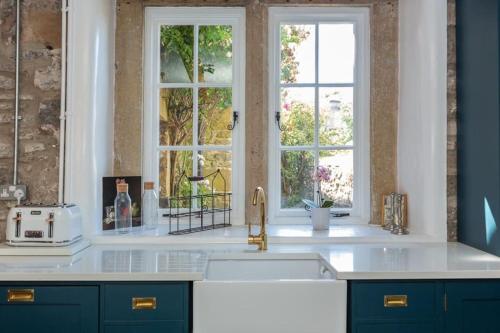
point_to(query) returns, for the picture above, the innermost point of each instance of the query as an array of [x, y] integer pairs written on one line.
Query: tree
[[214, 104]]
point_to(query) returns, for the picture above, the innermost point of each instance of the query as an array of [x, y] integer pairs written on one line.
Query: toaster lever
[[18, 219], [50, 220]]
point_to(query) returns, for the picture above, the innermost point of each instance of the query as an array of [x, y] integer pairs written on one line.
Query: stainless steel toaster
[[44, 225]]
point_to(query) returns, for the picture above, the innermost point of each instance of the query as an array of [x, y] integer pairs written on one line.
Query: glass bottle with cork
[[123, 209], [149, 206]]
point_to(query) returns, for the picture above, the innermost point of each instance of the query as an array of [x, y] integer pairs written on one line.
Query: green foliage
[[179, 39], [327, 204], [215, 49], [298, 121], [291, 36], [215, 46]]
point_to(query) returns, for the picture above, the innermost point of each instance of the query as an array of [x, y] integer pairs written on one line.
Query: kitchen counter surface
[[188, 262]]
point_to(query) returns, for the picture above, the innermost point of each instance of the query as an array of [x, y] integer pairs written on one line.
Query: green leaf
[[327, 204]]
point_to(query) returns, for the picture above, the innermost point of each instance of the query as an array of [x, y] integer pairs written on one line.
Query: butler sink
[[269, 293]]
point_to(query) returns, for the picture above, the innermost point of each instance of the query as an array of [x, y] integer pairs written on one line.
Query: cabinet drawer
[[148, 327], [383, 300], [134, 302], [55, 309]]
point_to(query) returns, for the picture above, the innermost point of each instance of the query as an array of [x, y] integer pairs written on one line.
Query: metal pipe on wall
[[62, 116], [16, 116]]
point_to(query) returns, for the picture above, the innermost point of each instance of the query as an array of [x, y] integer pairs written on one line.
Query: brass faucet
[[259, 196]]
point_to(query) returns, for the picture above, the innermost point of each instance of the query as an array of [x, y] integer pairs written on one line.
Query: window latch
[[235, 121], [278, 120]]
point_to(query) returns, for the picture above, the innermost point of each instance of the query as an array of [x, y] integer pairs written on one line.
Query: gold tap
[[259, 196]]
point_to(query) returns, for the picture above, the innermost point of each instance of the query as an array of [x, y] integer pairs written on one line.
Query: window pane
[[336, 116], [215, 53], [297, 168], [336, 53], [172, 165], [340, 187], [176, 116], [297, 53], [177, 42], [215, 114], [297, 116], [208, 163]]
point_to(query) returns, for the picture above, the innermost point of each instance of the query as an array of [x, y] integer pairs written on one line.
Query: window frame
[[155, 17], [360, 17]]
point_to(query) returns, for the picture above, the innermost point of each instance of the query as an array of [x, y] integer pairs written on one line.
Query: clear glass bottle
[[123, 209], [149, 206]]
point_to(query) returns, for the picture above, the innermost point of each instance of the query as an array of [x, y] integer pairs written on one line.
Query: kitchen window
[[319, 110], [194, 101]]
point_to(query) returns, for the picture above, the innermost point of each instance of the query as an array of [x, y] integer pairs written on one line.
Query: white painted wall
[[89, 152], [422, 126]]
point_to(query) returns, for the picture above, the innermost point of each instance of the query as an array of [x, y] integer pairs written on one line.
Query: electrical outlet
[[13, 192]]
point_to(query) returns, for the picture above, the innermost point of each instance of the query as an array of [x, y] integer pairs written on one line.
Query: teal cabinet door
[[47, 309], [396, 306], [146, 327], [415, 327], [473, 306], [153, 307]]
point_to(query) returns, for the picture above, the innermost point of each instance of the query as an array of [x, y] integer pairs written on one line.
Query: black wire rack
[[197, 211]]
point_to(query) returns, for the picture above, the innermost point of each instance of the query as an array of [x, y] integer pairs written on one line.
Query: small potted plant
[[320, 210]]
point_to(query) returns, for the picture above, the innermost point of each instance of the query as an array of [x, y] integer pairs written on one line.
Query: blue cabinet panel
[[410, 327], [478, 113], [473, 306], [54, 309], [150, 327], [368, 299], [422, 311], [171, 301], [171, 313]]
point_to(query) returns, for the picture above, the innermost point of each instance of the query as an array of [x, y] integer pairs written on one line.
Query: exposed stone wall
[[40, 79], [452, 123], [384, 77], [40, 98]]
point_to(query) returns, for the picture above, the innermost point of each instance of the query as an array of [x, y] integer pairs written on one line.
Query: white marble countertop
[[277, 234], [187, 262]]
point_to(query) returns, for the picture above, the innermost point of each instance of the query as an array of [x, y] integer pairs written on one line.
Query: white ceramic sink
[[269, 293]]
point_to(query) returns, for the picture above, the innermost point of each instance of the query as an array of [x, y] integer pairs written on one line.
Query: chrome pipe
[[16, 116], [62, 115]]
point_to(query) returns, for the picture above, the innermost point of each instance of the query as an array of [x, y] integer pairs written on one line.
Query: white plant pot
[[320, 218]]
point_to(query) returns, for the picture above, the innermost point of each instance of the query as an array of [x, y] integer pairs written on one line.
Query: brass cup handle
[[20, 295], [396, 301], [143, 303]]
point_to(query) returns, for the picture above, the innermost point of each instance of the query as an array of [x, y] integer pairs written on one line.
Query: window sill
[[277, 234]]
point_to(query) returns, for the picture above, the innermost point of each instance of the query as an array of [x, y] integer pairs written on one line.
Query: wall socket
[[13, 192]]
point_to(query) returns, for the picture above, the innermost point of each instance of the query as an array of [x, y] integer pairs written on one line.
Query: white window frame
[[155, 17], [360, 17]]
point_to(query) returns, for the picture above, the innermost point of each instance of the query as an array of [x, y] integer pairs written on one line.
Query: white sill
[[277, 234]]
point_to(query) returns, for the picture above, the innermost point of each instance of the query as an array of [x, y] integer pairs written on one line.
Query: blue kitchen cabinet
[[49, 309], [92, 307], [457, 306], [396, 306], [145, 307], [473, 306]]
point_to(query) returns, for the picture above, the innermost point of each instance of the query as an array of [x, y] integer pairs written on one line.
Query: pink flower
[[286, 106], [322, 174]]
